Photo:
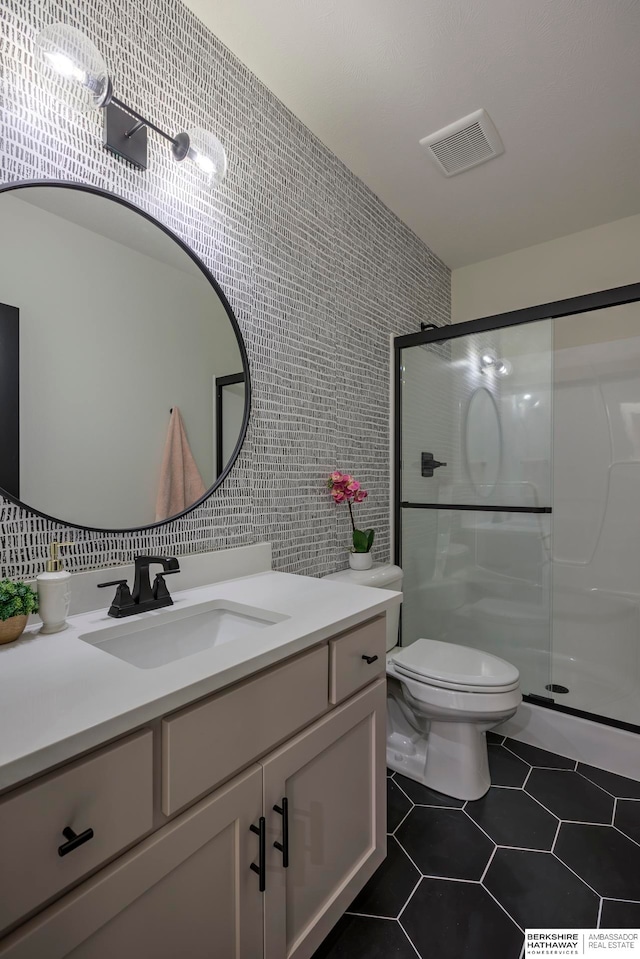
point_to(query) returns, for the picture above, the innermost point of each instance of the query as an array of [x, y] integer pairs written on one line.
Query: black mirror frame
[[98, 191]]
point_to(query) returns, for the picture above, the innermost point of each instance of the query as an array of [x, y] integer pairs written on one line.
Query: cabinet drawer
[[349, 671], [110, 792], [185, 892], [204, 744]]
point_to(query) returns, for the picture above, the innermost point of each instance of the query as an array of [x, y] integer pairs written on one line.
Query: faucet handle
[[122, 599], [160, 590]]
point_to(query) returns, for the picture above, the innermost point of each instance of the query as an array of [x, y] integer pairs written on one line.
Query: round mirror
[[483, 442], [124, 383]]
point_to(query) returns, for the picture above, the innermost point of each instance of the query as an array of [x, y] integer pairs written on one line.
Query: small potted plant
[[17, 601], [345, 489]]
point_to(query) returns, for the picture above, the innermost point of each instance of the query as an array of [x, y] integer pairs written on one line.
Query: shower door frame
[[618, 296]]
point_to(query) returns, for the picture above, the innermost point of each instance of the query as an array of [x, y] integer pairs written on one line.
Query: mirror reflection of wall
[[118, 325]]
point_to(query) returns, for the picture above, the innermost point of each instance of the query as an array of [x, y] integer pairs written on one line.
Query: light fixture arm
[[140, 121]]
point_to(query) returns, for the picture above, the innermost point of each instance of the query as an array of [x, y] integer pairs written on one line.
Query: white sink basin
[[164, 636]]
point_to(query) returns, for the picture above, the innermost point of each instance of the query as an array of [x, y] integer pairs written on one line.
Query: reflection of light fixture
[[491, 363], [526, 396], [66, 54]]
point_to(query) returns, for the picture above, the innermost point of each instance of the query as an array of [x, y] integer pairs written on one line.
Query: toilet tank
[[382, 576]]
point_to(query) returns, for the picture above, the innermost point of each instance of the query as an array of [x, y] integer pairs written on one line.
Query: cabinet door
[[333, 777], [188, 890]]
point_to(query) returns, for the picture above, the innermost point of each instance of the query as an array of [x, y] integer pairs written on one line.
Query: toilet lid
[[447, 664]]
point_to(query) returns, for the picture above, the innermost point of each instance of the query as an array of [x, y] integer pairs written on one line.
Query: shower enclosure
[[518, 496]]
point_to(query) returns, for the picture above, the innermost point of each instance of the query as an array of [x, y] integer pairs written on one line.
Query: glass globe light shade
[[488, 361], [206, 151], [73, 60], [503, 368]]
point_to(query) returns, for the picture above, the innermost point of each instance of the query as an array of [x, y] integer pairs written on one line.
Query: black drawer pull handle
[[261, 832], [283, 846], [369, 659], [73, 840]]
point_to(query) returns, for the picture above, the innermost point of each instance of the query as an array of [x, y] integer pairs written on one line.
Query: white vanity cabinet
[[192, 887], [187, 890], [334, 779]]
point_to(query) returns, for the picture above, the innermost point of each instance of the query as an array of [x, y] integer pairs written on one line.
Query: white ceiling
[[559, 78]]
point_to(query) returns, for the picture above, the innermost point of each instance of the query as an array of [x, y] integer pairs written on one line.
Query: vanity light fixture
[[65, 53]]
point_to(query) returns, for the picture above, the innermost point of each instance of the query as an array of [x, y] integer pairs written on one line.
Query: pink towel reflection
[[180, 480]]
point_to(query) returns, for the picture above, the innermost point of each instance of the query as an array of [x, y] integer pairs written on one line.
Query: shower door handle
[[428, 464]]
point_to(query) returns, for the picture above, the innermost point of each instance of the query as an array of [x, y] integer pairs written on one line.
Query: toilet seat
[[459, 668]]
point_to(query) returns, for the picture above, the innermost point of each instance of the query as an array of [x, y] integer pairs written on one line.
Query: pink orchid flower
[[345, 489]]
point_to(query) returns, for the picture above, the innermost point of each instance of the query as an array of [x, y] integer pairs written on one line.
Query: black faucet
[[144, 596]]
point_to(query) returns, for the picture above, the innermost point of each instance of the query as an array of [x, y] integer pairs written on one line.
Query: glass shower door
[[475, 450], [596, 491]]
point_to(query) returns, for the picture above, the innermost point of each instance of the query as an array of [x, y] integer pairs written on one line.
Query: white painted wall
[[598, 259], [94, 418]]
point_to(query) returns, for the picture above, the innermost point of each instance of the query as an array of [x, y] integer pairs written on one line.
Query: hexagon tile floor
[[554, 843]]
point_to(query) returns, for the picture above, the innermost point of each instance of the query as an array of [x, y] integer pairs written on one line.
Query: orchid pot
[[360, 560]]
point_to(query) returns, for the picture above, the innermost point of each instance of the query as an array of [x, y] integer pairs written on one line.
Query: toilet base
[[452, 760]]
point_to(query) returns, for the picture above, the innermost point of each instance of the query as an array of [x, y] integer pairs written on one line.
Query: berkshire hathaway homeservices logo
[[543, 943]]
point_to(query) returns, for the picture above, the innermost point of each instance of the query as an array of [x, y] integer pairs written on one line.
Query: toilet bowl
[[441, 700]]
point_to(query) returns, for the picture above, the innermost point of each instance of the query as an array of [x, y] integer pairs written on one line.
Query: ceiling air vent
[[464, 144]]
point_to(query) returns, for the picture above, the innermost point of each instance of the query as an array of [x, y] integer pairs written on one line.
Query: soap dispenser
[[54, 592]]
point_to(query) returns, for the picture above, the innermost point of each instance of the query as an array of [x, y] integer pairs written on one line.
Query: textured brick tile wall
[[318, 271]]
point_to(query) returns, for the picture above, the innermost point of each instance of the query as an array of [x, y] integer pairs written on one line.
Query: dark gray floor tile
[[423, 796], [505, 768], [620, 915], [628, 818], [538, 891], [444, 842], [603, 857], [358, 938], [569, 796], [539, 757], [390, 886], [397, 805], [618, 786], [495, 739], [512, 818], [459, 920]]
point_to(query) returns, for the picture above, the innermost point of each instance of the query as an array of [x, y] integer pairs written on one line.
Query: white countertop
[[60, 696]]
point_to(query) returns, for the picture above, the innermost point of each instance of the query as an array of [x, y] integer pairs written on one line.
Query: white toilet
[[441, 700]]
